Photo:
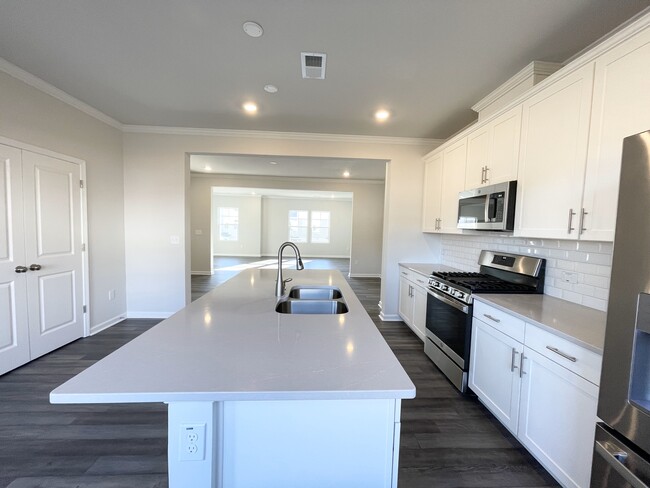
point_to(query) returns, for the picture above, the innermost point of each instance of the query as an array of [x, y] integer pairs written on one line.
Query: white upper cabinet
[[493, 151], [432, 189], [555, 132], [453, 178], [621, 107]]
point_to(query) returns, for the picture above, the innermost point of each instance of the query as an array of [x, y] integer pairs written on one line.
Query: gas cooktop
[[500, 273]]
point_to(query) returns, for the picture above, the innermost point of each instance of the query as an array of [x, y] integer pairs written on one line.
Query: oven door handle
[[458, 306]]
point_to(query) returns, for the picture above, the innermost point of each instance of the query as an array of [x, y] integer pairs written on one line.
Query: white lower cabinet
[[557, 418], [413, 301], [494, 372], [538, 386]]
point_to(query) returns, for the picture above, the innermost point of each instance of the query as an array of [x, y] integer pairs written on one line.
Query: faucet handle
[[287, 280]]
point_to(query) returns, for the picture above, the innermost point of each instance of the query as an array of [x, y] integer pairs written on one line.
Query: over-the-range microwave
[[488, 208]]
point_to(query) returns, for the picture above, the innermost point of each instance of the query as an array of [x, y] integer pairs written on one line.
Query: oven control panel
[[446, 289]]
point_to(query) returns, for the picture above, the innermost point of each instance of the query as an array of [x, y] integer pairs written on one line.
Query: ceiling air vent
[[313, 65]]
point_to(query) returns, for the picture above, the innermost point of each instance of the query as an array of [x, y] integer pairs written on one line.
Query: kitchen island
[[260, 398]]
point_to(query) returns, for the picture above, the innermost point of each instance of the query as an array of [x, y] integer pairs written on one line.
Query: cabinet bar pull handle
[[563, 354], [419, 281], [582, 221], [404, 273], [512, 360], [571, 214], [521, 365], [491, 318], [486, 174]]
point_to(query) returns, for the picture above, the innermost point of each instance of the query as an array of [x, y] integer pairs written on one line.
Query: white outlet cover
[[192, 442]]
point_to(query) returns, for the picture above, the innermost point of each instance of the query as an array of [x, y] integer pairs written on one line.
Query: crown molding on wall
[[263, 134], [45, 87], [341, 181]]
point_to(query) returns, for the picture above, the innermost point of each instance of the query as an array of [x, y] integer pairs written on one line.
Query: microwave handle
[[490, 208]]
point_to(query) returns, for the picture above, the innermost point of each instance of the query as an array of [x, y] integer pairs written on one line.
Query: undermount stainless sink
[[330, 307], [315, 292]]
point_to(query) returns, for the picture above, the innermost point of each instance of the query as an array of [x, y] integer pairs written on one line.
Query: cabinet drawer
[[414, 277], [575, 358], [509, 325], [406, 273]]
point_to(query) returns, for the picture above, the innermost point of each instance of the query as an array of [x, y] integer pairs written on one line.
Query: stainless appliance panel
[[626, 316], [488, 207], [616, 464]]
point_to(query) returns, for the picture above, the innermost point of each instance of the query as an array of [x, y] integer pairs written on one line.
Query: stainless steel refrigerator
[[622, 447]]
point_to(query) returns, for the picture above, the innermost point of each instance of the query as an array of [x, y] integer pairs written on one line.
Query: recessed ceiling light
[[346, 174], [273, 162], [382, 115], [270, 88], [250, 107], [207, 168], [253, 29]]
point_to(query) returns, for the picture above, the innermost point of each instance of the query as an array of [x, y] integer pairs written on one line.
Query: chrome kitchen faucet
[[279, 282]]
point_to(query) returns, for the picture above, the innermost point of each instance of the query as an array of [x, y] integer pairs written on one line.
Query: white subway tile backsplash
[[591, 261]]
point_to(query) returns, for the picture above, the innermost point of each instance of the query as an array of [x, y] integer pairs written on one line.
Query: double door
[[41, 260]]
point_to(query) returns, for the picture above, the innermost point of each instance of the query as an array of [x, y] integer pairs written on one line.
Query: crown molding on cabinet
[[263, 134], [542, 68], [45, 87]]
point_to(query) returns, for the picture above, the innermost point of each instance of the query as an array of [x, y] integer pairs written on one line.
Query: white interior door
[[53, 251], [14, 338]]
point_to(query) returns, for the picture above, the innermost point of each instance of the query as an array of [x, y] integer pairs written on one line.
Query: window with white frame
[[228, 224], [306, 226], [298, 225], [320, 227]]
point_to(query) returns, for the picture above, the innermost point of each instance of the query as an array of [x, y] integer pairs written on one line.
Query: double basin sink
[[313, 300]]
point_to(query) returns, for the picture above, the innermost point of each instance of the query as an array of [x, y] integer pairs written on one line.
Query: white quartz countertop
[[579, 324], [231, 345], [425, 269]]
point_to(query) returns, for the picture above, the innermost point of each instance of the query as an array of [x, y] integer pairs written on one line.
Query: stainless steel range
[[449, 305]]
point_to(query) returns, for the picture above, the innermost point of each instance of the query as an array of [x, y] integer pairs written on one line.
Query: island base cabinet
[[315, 443], [557, 419]]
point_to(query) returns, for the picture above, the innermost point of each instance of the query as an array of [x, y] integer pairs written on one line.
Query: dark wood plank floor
[[448, 440]]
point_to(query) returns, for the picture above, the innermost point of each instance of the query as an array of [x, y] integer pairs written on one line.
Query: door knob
[[35, 267], [21, 269]]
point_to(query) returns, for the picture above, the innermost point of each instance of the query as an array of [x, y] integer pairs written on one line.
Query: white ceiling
[[189, 64], [292, 166]]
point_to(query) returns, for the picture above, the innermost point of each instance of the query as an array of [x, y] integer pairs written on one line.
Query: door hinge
[[85, 309], [81, 183], [83, 247]]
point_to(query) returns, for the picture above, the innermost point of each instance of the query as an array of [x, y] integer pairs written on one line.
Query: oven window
[[471, 210], [450, 325]]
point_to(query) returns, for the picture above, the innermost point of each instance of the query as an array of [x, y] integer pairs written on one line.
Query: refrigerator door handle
[[616, 457]]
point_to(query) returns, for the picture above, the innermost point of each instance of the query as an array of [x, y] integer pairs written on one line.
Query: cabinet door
[[504, 147], [432, 189], [621, 108], [419, 311], [14, 332], [405, 300], [557, 419], [494, 372], [478, 150], [555, 129], [453, 182]]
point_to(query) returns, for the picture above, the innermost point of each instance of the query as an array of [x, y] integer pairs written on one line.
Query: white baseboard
[[364, 275], [106, 324], [236, 255], [149, 315], [202, 273], [389, 318]]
